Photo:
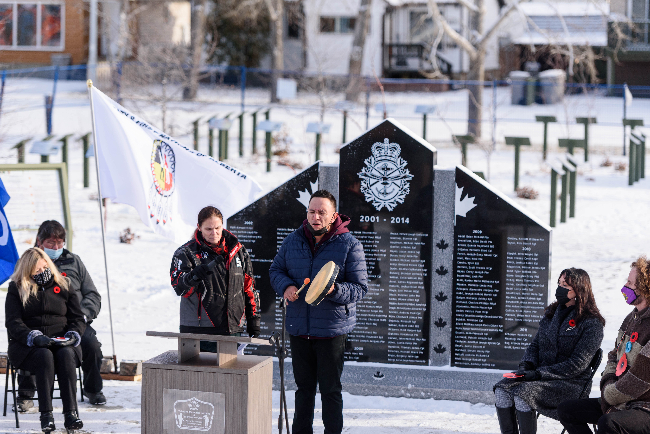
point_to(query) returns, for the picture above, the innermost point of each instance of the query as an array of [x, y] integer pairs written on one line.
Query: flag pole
[[101, 217]]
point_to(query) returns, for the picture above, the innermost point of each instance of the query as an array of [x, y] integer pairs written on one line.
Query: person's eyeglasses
[[320, 212]]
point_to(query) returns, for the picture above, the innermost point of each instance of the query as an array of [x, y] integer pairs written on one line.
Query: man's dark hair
[[326, 195], [207, 212], [50, 229]]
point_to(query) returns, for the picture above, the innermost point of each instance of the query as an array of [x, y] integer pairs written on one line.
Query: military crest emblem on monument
[[385, 179]]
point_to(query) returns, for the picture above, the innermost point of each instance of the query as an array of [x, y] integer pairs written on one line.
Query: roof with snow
[[562, 23]]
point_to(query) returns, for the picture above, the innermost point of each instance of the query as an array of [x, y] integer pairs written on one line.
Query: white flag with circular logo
[[166, 182]]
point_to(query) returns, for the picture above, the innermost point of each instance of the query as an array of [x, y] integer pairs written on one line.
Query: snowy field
[[608, 233]]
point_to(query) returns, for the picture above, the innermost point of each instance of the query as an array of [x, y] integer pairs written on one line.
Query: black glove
[[72, 340], [253, 328], [42, 341], [526, 366], [203, 271], [529, 375]]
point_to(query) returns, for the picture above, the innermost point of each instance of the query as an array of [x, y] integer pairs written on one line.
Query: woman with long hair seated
[[555, 365], [45, 323]]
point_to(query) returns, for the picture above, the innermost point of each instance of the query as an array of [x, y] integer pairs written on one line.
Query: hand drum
[[322, 283]]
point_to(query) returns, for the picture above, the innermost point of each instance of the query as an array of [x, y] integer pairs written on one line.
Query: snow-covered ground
[[608, 233]]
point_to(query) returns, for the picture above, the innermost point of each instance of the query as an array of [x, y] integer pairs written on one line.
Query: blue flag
[[8, 253]]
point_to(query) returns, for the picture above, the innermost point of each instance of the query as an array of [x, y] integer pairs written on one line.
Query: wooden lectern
[[186, 391]]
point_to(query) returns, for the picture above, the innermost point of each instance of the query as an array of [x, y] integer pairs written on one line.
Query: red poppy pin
[[57, 289], [634, 337], [63, 273], [621, 365], [572, 323]]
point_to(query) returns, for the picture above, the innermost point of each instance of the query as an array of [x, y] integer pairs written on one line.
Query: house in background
[[319, 36], [47, 32], [546, 33], [628, 58], [42, 32]]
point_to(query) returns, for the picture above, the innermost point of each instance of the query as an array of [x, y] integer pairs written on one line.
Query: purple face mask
[[629, 294]]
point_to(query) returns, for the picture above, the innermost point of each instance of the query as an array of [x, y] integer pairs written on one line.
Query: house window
[[343, 25], [640, 15], [327, 25], [6, 25], [347, 24], [31, 25]]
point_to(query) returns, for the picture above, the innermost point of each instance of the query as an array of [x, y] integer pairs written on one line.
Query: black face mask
[[43, 278], [317, 233], [561, 295]]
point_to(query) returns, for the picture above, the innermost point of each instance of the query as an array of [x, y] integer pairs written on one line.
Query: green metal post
[[268, 114], [553, 197], [464, 140], [571, 168], [463, 150], [642, 157], [241, 134], [586, 122], [86, 141], [545, 120], [631, 164], [345, 124], [268, 151], [254, 133], [210, 141], [46, 158], [563, 197], [572, 191], [195, 127], [64, 149], [424, 126], [544, 152], [516, 167], [20, 148], [317, 146], [586, 142], [225, 144], [221, 147], [639, 157]]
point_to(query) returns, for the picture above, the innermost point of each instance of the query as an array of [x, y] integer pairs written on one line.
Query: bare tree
[[276, 12], [356, 55], [196, 48], [476, 48]]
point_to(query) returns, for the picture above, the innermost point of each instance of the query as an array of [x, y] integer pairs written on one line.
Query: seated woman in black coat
[[555, 365], [45, 322]]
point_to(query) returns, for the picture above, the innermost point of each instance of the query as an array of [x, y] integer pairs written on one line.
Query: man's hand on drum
[[331, 289], [290, 293]]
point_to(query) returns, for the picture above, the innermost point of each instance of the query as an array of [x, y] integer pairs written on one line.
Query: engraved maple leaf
[[439, 349], [442, 245], [463, 206], [442, 271], [440, 323], [303, 196]]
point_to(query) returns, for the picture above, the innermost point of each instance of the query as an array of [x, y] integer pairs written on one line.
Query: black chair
[[593, 366], [14, 373]]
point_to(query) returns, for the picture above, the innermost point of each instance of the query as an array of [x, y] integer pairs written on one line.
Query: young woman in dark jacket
[[214, 276], [555, 365], [45, 323]]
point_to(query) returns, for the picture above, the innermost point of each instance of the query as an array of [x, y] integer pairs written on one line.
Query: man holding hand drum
[[318, 331]]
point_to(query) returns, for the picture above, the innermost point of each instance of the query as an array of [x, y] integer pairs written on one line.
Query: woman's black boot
[[71, 420], [527, 421], [47, 422], [507, 420]]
